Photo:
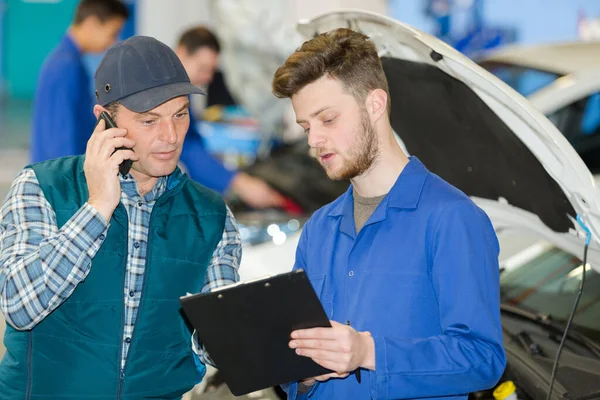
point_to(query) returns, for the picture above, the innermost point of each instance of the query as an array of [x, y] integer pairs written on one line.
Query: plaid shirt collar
[[130, 187]]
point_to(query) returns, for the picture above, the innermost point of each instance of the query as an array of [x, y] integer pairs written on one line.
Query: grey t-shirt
[[363, 208]]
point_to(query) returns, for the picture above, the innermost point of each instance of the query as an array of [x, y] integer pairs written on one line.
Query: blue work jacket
[[422, 276], [63, 115]]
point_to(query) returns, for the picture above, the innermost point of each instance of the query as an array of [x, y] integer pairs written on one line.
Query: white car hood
[[480, 135]]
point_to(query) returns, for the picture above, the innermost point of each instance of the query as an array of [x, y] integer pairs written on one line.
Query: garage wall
[[160, 19], [25, 46]]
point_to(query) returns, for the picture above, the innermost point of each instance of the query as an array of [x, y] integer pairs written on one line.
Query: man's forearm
[[40, 270]]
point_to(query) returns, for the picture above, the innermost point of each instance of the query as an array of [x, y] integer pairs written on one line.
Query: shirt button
[[131, 293], [136, 245], [101, 237], [351, 273], [128, 340], [140, 203]]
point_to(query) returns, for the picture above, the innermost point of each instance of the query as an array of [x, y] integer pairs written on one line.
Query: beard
[[362, 155]]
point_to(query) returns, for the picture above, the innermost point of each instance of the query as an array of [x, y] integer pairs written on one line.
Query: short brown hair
[[198, 37], [112, 108], [342, 54], [101, 9]]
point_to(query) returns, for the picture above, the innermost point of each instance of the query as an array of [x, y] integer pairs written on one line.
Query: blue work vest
[[75, 352]]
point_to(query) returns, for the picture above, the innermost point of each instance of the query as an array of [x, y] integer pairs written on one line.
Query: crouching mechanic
[[92, 263]]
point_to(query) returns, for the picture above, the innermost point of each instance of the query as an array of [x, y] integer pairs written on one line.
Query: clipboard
[[246, 327]]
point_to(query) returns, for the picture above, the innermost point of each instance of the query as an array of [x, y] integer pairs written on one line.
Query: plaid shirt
[[41, 265]]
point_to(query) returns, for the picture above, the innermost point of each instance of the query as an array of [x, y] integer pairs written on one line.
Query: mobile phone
[[126, 164]]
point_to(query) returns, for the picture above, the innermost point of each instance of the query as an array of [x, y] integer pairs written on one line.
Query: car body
[[485, 138], [562, 80]]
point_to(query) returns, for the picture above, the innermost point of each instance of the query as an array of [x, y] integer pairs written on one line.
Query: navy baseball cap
[[141, 73]]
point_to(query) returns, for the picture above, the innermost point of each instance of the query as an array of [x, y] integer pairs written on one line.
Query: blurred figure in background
[[198, 49], [62, 111]]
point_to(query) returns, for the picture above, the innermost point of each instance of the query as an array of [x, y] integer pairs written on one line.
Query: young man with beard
[[405, 265]]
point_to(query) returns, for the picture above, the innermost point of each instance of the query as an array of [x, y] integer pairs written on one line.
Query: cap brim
[[148, 99]]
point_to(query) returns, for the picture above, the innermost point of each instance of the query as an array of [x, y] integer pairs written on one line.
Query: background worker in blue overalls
[[198, 49], [62, 111]]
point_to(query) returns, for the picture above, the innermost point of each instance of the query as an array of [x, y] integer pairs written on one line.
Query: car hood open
[[478, 134]]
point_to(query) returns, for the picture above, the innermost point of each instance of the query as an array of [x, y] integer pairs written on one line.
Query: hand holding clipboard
[[339, 348], [246, 330]]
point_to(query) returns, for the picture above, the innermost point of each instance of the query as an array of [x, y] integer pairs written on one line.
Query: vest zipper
[[161, 200], [120, 388], [122, 370], [29, 367]]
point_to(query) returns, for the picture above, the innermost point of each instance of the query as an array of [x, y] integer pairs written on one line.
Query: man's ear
[[98, 109], [377, 104], [181, 52]]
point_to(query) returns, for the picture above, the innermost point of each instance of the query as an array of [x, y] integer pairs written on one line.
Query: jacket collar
[[405, 194], [70, 44]]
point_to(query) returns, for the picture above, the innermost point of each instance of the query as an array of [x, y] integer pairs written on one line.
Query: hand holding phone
[[126, 164], [105, 156]]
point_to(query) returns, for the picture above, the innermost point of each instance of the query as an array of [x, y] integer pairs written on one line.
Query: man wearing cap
[[92, 263]]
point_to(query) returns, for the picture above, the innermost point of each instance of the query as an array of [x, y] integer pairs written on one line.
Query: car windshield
[[545, 279], [524, 80]]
